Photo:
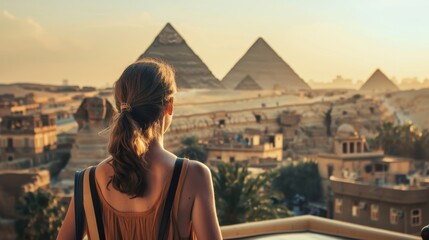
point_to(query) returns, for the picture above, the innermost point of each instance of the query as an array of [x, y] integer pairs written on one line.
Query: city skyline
[[92, 43]]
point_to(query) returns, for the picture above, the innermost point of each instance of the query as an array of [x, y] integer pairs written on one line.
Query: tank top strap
[[180, 186]]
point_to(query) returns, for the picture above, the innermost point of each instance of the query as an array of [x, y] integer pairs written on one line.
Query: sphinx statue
[[93, 113], [90, 147]]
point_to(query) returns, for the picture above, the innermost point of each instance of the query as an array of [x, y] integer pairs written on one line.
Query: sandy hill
[[191, 72], [266, 67], [378, 81], [411, 105]]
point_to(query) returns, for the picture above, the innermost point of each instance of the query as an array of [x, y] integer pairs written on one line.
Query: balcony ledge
[[309, 223]]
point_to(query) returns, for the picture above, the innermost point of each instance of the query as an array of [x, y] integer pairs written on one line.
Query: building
[[12, 105], [252, 146], [349, 155], [13, 185], [31, 137], [366, 187], [395, 207]]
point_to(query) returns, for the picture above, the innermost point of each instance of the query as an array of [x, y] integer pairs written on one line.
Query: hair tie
[[126, 107]]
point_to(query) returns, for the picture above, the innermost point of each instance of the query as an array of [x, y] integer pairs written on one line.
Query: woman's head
[[144, 103]]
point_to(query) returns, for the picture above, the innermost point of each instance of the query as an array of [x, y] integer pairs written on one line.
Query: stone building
[[252, 146], [13, 184], [32, 137], [289, 121], [401, 207], [349, 155], [366, 187], [12, 105]]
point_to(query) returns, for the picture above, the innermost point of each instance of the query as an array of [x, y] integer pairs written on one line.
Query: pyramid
[[191, 72], [267, 69], [248, 83], [379, 82]]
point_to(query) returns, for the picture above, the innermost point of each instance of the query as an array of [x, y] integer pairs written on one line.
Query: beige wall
[[364, 215], [36, 142], [225, 154]]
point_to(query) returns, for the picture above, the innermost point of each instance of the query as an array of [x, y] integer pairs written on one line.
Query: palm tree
[[243, 198], [403, 140], [39, 215], [192, 149], [388, 138]]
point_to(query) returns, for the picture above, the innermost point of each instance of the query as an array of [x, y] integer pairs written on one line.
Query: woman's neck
[[156, 147]]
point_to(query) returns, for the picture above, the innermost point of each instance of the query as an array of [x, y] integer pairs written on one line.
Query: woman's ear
[[170, 107]]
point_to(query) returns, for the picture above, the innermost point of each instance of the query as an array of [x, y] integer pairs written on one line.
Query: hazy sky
[[91, 42]]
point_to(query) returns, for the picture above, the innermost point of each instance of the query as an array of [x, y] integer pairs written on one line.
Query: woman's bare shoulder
[[104, 168], [198, 175]]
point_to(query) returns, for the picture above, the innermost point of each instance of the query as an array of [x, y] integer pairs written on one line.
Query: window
[[338, 205], [10, 142], [221, 123], [218, 158], [26, 143], [330, 170], [394, 215], [416, 217], [344, 147], [352, 147], [355, 209], [358, 147], [380, 167], [231, 159], [374, 212], [258, 118]]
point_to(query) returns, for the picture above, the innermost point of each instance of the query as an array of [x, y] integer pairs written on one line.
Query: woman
[[132, 183]]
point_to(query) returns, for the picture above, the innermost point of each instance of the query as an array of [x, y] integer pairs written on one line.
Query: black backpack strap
[[79, 211], [170, 198], [96, 203]]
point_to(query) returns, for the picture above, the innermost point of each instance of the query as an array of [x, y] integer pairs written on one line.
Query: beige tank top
[[144, 225]]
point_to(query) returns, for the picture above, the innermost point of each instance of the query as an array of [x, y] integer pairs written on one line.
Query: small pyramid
[[379, 82], [267, 69], [191, 72], [248, 83]]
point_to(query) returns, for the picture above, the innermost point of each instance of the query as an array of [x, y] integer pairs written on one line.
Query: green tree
[[302, 179], [192, 149], [39, 215], [243, 198], [421, 145], [403, 140]]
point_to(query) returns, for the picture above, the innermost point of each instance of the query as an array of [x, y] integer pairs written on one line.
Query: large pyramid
[[379, 82], [191, 72], [266, 67]]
